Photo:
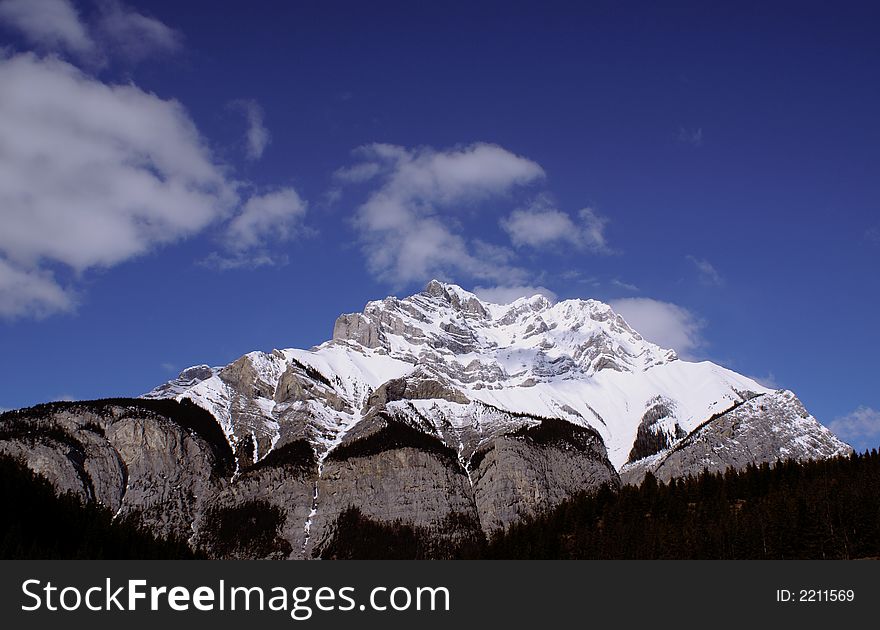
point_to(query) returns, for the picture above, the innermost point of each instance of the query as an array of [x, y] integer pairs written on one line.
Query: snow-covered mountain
[[469, 370], [440, 410]]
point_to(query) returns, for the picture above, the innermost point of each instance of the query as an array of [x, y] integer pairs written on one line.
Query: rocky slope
[[441, 410]]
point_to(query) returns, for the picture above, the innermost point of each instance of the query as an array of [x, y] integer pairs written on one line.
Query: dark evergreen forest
[[793, 510], [37, 524], [809, 510]]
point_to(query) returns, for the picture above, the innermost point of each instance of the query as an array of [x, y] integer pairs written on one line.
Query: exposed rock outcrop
[[535, 468], [439, 410], [142, 457], [764, 428]]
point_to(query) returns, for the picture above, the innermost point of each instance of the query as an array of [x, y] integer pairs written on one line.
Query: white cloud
[[708, 274], [257, 135], [267, 219], [592, 230], [508, 294], [272, 216], [134, 35], [538, 227], [575, 275], [31, 293], [624, 285], [358, 173], [668, 325], [52, 24], [243, 260], [407, 226], [331, 197], [860, 427], [541, 225], [56, 25], [92, 175]]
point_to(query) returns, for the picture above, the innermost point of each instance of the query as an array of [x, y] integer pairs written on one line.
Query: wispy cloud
[[873, 234], [692, 136], [707, 272], [114, 30], [275, 215], [666, 324], [542, 225], [508, 294], [407, 225], [257, 136], [357, 173], [624, 285], [249, 261], [265, 221], [576, 275], [133, 35], [860, 427], [49, 24], [33, 292]]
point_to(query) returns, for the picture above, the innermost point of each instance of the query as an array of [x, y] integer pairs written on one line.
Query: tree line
[[35, 523], [828, 509]]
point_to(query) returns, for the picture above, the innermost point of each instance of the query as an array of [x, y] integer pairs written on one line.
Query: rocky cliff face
[[439, 410], [765, 428], [132, 456]]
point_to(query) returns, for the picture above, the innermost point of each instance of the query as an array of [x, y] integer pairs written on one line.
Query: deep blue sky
[[744, 139]]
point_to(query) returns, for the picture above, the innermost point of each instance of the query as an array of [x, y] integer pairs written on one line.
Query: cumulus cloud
[[134, 35], [707, 272], [508, 294], [92, 175], [51, 24], [541, 225], [861, 427], [257, 135], [668, 325], [406, 225]]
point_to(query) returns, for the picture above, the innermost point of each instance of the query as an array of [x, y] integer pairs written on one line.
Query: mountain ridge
[[516, 358], [457, 416]]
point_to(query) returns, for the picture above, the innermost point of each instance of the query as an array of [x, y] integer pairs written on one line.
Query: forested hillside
[[816, 510], [823, 509], [37, 524]]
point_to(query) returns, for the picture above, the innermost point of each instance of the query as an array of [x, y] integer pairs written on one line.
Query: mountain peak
[[456, 296], [454, 366], [527, 341]]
